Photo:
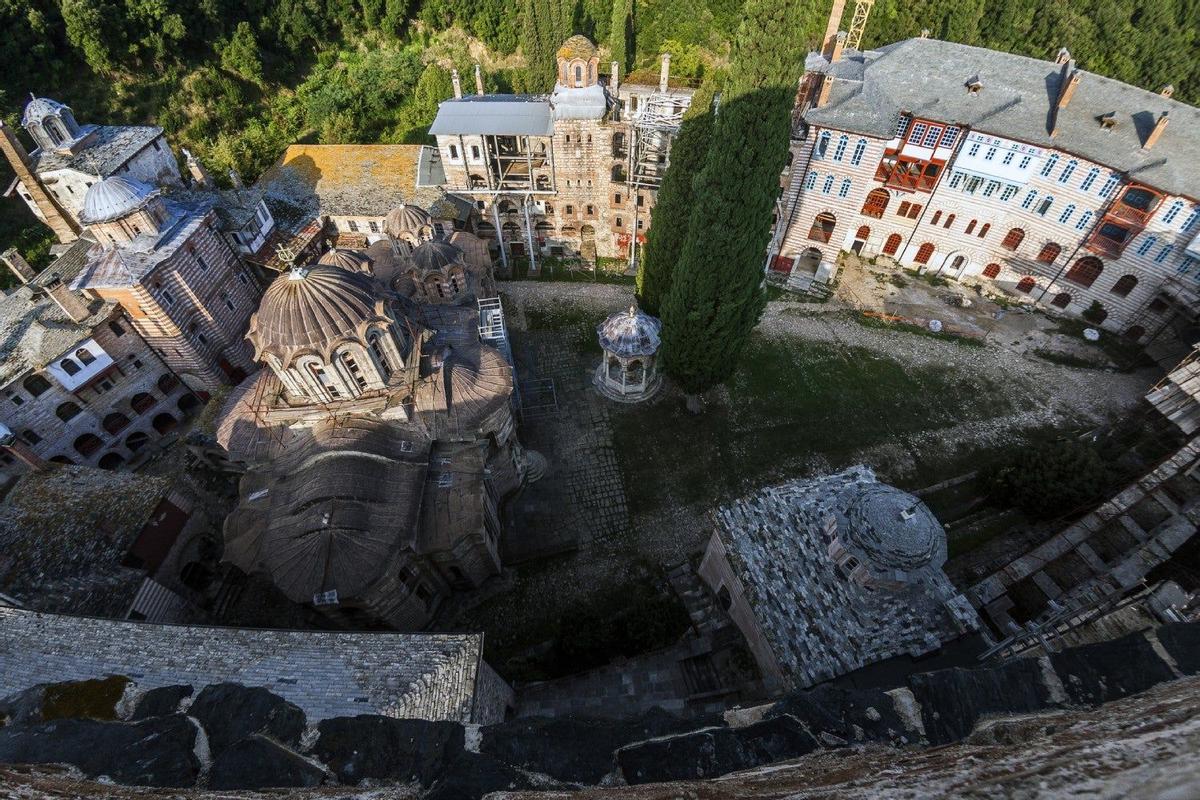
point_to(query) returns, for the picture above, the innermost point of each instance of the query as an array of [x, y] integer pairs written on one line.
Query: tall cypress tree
[[673, 208], [716, 294]]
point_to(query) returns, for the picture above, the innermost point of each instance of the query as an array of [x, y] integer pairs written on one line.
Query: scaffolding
[[652, 130]]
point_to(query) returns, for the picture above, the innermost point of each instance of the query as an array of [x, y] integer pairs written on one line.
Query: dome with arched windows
[[113, 198], [408, 222], [347, 259]]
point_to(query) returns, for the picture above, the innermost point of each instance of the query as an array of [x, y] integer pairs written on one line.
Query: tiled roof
[[928, 78], [403, 675], [33, 329], [63, 534], [348, 179], [819, 623], [109, 150]]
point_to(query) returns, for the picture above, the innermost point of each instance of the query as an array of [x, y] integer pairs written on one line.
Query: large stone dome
[[113, 198], [407, 220], [434, 255], [310, 308]]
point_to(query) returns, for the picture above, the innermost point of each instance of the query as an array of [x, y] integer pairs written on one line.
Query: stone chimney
[[478, 81], [19, 266], [1167, 91], [63, 226], [454, 79], [1068, 84], [1064, 55], [664, 72], [614, 82], [71, 303], [20, 450], [200, 176], [236, 179], [1160, 125], [832, 27], [839, 43]]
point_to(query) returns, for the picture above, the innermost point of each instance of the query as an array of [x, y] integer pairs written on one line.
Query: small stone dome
[[406, 219], [350, 260], [630, 334], [113, 198], [892, 530], [311, 307], [434, 255], [39, 108], [578, 46]]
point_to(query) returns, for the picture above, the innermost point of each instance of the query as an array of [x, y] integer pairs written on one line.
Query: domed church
[[379, 443]]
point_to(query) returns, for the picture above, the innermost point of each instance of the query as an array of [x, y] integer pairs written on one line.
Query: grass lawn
[[788, 401]]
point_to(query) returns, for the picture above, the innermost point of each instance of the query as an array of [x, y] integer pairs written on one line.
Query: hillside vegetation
[[237, 81]]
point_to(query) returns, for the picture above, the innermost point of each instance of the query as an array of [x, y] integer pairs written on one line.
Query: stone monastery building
[[571, 174], [1054, 184]]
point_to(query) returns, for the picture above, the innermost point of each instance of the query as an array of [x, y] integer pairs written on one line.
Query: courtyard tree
[[672, 210], [716, 290], [1051, 479]]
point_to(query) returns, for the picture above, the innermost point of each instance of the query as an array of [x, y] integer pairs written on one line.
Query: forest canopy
[[235, 82]]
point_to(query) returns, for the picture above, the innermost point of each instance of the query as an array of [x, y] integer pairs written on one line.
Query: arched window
[[876, 204], [115, 422], [1013, 239], [924, 253], [1124, 285], [67, 411], [141, 402], [1049, 252], [839, 152], [892, 245], [822, 227], [863, 232], [1061, 300], [991, 270], [69, 366], [1026, 284], [36, 385], [374, 341], [1085, 271], [85, 356], [87, 444], [860, 147]]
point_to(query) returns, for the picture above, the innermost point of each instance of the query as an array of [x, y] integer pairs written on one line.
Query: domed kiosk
[[629, 370]]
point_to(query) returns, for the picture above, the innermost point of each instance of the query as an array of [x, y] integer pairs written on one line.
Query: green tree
[[716, 293], [240, 55], [673, 207], [1051, 479]]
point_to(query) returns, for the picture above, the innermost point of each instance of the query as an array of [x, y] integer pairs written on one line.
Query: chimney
[[614, 82], [200, 177], [478, 81], [664, 72], [831, 28], [1160, 125], [839, 43], [823, 94], [17, 448], [236, 179], [19, 266], [71, 303], [1167, 91], [1068, 84], [63, 226], [1064, 55], [454, 79]]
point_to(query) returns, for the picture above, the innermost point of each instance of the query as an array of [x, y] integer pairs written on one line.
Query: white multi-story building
[[1060, 186]]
